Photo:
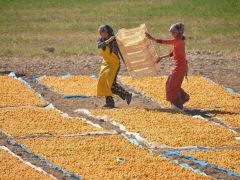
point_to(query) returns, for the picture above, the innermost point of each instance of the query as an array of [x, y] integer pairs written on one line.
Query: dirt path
[[219, 67], [20, 151], [70, 105]]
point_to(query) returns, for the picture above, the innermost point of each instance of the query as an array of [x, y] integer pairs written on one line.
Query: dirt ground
[[214, 65], [218, 66]]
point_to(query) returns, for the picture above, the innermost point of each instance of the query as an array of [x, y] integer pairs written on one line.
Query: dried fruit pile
[[13, 168], [203, 95], [112, 156], [150, 86], [107, 157], [73, 85], [15, 93], [28, 121], [227, 158], [173, 129]]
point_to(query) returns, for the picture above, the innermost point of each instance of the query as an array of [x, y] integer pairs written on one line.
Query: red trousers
[[174, 93]]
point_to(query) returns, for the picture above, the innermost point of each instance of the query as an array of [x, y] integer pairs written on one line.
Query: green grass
[[28, 26]]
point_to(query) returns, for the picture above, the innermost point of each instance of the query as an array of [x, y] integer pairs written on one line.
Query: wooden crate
[[138, 52]]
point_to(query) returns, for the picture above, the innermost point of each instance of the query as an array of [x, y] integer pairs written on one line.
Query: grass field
[[70, 26], [58, 126]]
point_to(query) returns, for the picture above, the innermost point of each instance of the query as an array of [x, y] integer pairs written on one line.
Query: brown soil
[[70, 105], [218, 66], [214, 65]]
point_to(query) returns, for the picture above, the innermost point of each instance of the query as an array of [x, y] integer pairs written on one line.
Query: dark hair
[[107, 28]]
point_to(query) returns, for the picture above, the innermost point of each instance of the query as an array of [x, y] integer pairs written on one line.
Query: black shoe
[[107, 106], [129, 98], [109, 102], [186, 99]]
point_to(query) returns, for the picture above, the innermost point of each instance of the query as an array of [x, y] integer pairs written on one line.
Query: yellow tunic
[[109, 68]]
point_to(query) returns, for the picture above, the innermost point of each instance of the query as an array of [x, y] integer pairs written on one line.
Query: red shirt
[[178, 51]]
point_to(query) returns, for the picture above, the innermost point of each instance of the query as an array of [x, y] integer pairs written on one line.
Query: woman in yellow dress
[[107, 85]]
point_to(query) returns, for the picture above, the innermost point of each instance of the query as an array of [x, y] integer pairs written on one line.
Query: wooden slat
[[138, 51]]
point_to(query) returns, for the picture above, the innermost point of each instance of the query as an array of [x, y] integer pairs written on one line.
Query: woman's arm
[[150, 37], [101, 43], [165, 56], [167, 41], [161, 41]]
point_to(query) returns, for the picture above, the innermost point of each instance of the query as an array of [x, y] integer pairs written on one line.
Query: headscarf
[[112, 45], [105, 27], [178, 28]]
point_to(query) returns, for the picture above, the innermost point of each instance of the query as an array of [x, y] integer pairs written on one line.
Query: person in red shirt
[[174, 93]]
